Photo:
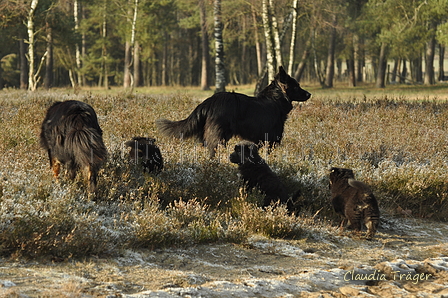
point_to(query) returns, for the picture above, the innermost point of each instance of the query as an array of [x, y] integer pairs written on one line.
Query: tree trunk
[[137, 77], [48, 80], [204, 46], [393, 77], [83, 46], [77, 49], [301, 68], [417, 70], [270, 48], [293, 36], [219, 45], [351, 72], [104, 71], [127, 65], [23, 64], [32, 84], [317, 69], [359, 57], [128, 81], [165, 60], [441, 60], [382, 64], [276, 36], [329, 77], [404, 72], [257, 43], [429, 57]]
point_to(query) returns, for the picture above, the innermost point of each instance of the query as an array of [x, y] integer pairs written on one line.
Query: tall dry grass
[[396, 145]]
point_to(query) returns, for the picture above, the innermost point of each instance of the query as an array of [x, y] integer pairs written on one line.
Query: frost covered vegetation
[[396, 145]]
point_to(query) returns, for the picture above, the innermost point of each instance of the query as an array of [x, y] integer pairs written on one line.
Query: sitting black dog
[[256, 173], [145, 151], [354, 201]]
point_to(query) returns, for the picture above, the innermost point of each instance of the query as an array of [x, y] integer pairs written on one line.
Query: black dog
[[256, 173], [146, 151], [354, 201], [226, 114], [72, 136]]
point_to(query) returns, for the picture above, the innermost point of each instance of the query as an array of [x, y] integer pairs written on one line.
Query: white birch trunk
[[295, 4], [276, 36], [77, 49], [104, 53], [219, 45], [270, 51], [32, 84]]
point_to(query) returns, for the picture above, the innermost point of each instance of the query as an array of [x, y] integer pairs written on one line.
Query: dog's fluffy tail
[[88, 150], [88, 147], [191, 127]]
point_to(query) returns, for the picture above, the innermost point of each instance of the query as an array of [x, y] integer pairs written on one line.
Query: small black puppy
[[354, 201], [145, 151], [256, 173]]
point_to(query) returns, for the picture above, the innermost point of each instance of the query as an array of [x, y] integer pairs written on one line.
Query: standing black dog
[[227, 114], [354, 201], [256, 173], [72, 136], [146, 151]]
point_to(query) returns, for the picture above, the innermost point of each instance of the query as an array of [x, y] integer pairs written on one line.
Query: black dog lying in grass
[[256, 173], [145, 151], [72, 136], [354, 201]]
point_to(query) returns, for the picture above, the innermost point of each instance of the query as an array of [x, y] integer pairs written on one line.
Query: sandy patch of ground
[[408, 258]]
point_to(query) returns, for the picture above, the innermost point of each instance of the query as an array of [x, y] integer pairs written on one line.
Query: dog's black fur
[[354, 201], [227, 114], [72, 136], [145, 151], [256, 173]]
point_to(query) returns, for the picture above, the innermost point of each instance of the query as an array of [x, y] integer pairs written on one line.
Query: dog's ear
[[254, 156], [130, 143], [281, 76]]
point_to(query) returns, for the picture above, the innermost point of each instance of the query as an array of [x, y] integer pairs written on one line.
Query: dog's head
[[337, 175], [245, 152], [145, 151], [290, 86], [140, 147]]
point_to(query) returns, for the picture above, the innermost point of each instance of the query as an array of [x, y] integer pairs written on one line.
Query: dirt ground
[[408, 258]]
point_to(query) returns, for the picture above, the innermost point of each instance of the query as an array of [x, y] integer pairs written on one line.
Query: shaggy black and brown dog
[[354, 201], [256, 173], [227, 114], [72, 136], [145, 151]]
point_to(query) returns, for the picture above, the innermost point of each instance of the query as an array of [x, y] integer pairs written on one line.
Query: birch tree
[[276, 36], [219, 46], [77, 48], [269, 37], [128, 80], [295, 5], [33, 75]]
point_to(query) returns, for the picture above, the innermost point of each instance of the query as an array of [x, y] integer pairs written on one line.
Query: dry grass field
[[395, 140], [192, 231]]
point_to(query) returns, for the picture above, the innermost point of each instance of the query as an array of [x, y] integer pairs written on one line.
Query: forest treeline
[[131, 43]]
